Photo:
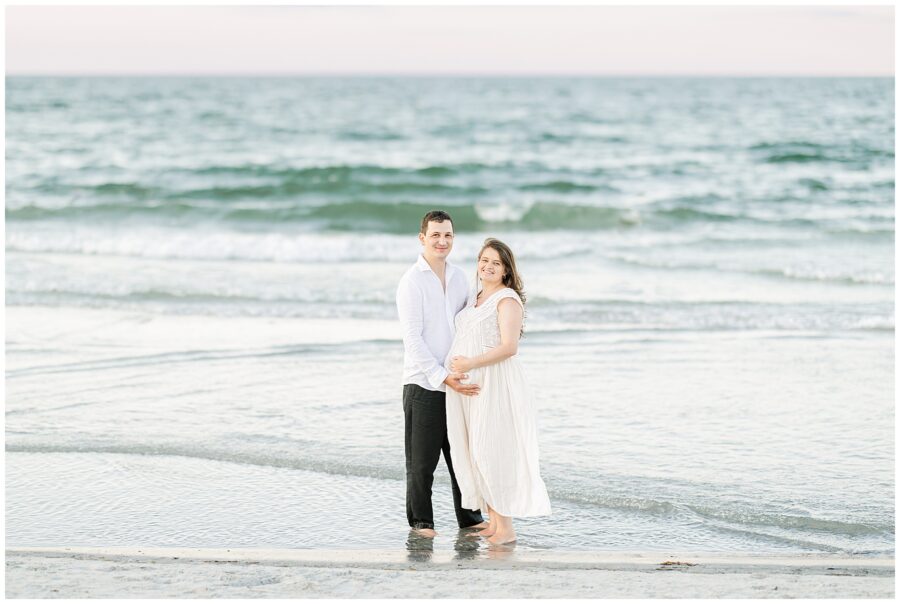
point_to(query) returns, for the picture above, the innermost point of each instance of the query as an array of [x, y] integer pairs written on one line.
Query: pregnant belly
[[470, 351], [475, 376]]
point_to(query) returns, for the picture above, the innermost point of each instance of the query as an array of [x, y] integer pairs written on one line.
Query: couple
[[464, 391]]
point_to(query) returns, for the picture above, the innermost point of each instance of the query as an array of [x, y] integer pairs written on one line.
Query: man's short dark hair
[[434, 216]]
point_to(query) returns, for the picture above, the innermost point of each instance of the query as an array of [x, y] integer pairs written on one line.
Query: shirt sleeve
[[412, 322]]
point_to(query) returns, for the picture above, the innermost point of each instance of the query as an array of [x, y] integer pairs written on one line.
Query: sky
[[470, 40]]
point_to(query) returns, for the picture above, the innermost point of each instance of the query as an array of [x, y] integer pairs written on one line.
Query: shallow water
[[644, 446]]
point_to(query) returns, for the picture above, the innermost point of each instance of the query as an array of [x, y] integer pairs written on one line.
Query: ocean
[[201, 339]]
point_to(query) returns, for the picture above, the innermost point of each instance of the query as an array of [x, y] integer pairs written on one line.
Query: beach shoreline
[[35, 572], [203, 346]]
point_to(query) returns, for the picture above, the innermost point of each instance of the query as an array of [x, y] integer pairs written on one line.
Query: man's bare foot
[[499, 538], [480, 525], [425, 532]]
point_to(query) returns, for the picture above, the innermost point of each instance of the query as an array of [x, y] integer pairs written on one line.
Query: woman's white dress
[[493, 436]]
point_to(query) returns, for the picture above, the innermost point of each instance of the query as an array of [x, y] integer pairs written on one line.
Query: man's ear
[[422, 238]]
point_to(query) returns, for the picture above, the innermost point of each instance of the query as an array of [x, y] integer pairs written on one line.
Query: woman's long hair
[[511, 278]]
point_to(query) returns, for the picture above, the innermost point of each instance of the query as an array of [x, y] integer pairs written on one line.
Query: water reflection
[[467, 544], [419, 547], [471, 546], [500, 552]]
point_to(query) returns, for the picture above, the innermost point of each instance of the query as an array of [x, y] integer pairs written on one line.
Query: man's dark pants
[[425, 414]]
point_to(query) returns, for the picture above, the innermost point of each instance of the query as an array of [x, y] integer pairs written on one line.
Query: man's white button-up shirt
[[427, 314]]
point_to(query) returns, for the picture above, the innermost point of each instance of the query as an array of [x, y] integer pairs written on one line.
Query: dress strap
[[508, 293]]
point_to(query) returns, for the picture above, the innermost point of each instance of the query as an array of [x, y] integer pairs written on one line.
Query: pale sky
[[602, 40]]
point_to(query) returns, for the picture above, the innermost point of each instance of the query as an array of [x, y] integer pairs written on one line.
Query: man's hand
[[453, 380]]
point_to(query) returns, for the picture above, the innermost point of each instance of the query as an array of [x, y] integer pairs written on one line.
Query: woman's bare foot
[[502, 537]]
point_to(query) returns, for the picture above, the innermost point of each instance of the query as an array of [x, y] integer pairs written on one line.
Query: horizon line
[[414, 74]]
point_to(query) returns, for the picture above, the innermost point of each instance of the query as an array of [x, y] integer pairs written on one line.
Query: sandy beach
[[203, 347], [98, 572]]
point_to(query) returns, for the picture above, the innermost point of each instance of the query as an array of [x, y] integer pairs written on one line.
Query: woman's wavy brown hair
[[511, 278]]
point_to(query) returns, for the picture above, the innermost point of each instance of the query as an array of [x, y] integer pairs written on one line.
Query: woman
[[493, 435]]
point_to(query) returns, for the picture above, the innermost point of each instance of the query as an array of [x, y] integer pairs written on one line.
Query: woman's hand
[[461, 364]]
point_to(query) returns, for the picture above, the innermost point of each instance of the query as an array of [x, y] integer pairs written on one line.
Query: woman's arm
[[510, 316]]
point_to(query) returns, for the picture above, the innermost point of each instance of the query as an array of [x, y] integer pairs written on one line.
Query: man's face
[[437, 240]]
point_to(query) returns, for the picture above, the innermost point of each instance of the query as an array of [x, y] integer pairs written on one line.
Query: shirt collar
[[423, 265]]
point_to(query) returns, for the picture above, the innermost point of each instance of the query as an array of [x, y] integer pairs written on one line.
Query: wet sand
[[98, 572]]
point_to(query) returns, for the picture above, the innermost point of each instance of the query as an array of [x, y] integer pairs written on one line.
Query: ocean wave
[[251, 302], [130, 189], [361, 135], [692, 214], [710, 209], [291, 245], [864, 232], [312, 463], [814, 184], [347, 172], [800, 157], [181, 357], [107, 211], [790, 521], [673, 316], [567, 186], [819, 275], [547, 317], [574, 138], [279, 189], [397, 216], [299, 241], [292, 189], [809, 152], [733, 515], [540, 216], [368, 216], [267, 181]]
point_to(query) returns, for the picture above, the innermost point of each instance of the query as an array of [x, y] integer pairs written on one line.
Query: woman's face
[[490, 267]]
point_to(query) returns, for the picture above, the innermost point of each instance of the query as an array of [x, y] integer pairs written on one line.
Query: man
[[429, 295]]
